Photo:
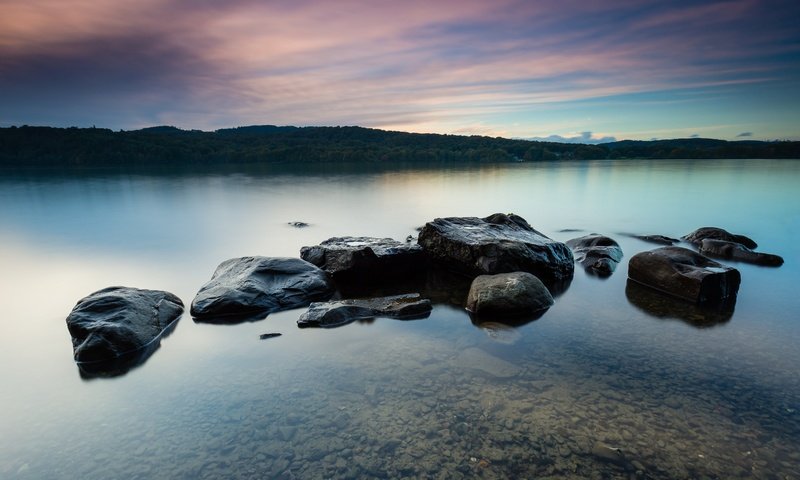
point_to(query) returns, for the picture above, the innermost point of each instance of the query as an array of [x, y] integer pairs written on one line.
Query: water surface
[[684, 394]]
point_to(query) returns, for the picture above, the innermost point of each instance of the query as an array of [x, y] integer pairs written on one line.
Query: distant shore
[[43, 147]]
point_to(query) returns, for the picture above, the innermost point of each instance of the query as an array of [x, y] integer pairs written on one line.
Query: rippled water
[[683, 393]]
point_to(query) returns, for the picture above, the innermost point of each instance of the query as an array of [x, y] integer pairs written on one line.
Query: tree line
[[169, 146]]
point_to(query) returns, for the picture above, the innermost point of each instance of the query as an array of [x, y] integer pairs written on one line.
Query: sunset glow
[[619, 69]]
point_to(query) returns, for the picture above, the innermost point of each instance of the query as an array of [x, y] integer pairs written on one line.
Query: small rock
[[343, 312], [606, 453], [298, 224], [598, 254], [265, 336], [736, 251], [513, 294], [715, 233]]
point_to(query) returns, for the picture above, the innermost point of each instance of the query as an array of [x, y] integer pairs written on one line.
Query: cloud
[[584, 137], [744, 134], [447, 66]]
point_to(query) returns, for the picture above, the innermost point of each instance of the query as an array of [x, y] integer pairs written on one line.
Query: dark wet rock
[[598, 254], [511, 294], [737, 251], [265, 336], [664, 307], [342, 312], [570, 230], [365, 259], [659, 239], [298, 224], [118, 321], [685, 274], [715, 233], [249, 287], [496, 244]]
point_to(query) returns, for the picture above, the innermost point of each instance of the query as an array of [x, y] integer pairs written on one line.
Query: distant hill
[[170, 146]]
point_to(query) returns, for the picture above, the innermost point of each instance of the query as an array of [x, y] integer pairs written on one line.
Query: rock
[[298, 224], [265, 336], [251, 286], [715, 233], [512, 294], [598, 254], [342, 312], [659, 239], [496, 244], [685, 274], [476, 359], [606, 453], [119, 321], [365, 259], [737, 251]]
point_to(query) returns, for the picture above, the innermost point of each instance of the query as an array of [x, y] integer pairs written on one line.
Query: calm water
[[432, 398]]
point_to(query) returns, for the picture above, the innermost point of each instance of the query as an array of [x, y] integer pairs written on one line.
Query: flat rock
[[250, 286], [512, 294], [683, 273], [342, 312], [118, 321], [365, 258], [659, 239], [737, 251], [716, 233], [598, 254], [477, 359], [499, 243]]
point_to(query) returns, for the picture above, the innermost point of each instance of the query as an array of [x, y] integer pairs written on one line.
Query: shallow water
[[683, 393]]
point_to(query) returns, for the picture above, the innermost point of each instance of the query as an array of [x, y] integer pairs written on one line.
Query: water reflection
[[660, 305], [121, 365]]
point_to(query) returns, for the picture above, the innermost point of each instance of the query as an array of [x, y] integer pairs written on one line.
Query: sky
[[586, 71]]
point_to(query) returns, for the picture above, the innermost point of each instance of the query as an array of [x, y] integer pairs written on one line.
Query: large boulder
[[496, 244], [118, 321], [365, 258], [255, 286], [715, 233], [685, 274], [342, 312], [598, 254], [508, 294], [737, 251]]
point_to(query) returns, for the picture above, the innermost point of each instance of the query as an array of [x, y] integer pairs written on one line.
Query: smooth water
[[681, 393]]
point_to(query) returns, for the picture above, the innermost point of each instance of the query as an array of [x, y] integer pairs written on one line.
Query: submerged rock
[[685, 274], [598, 254], [496, 244], [664, 307], [715, 233], [659, 239], [342, 312], [512, 294], [362, 259], [607, 453], [251, 286], [737, 251], [477, 359], [119, 321]]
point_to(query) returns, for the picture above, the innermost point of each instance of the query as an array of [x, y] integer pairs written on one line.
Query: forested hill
[[96, 147]]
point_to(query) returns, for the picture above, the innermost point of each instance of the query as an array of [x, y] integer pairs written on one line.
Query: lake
[[682, 392]]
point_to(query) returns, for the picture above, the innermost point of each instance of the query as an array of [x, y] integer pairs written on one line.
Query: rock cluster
[[513, 270]]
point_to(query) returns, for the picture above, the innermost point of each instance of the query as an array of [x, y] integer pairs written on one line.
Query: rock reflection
[[123, 364], [504, 329], [662, 306]]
